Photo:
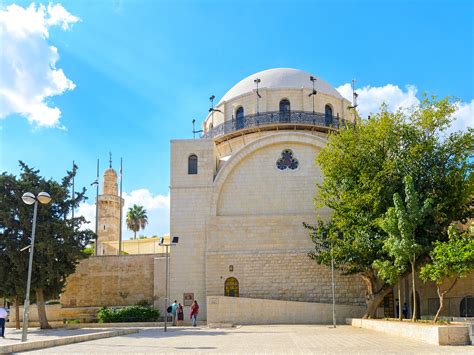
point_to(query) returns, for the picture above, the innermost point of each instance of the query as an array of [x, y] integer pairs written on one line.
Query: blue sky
[[140, 71]]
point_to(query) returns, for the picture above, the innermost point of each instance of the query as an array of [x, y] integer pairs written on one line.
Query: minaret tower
[[109, 214]]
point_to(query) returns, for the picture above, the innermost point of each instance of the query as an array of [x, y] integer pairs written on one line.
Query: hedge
[[128, 314]]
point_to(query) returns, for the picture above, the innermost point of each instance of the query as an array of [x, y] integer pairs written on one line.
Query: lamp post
[[257, 81], [173, 241], [325, 248], [314, 92], [28, 198]]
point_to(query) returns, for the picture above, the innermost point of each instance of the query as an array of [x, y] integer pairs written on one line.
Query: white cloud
[[158, 211], [28, 73], [464, 116], [370, 98]]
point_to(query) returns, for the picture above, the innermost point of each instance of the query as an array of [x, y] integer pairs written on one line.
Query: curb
[[41, 344]]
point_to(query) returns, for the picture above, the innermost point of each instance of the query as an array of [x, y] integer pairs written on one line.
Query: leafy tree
[[452, 259], [400, 223], [59, 240], [364, 166], [136, 219]]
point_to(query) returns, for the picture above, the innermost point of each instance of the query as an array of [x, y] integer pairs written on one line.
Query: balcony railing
[[274, 118]]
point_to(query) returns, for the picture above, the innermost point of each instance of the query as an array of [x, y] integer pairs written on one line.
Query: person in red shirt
[[194, 312]]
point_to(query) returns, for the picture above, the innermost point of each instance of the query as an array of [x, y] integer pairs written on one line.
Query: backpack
[[169, 309]]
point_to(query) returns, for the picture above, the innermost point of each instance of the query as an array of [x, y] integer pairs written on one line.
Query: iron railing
[[273, 118]]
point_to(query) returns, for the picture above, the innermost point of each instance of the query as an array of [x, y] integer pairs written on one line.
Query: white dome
[[280, 78]]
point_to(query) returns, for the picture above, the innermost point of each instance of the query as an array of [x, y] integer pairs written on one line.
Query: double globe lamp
[[30, 199]]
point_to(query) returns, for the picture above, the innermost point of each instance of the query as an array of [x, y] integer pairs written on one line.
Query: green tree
[[364, 166], [136, 219], [400, 223], [59, 239], [450, 260]]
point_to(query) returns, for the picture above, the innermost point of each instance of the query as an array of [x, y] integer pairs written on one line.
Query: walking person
[[180, 313], [405, 310], [3, 319], [174, 307], [194, 312]]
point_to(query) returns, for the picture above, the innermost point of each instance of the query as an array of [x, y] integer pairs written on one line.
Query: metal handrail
[[275, 117]]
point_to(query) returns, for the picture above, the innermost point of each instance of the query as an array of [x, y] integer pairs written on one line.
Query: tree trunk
[[441, 304], [41, 309], [17, 312], [413, 318], [375, 293], [441, 298], [399, 300], [134, 235]]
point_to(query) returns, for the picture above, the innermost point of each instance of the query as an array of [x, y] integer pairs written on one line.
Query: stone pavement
[[269, 339], [13, 336]]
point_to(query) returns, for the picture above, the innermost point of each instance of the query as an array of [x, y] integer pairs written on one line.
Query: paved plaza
[[13, 336], [262, 339]]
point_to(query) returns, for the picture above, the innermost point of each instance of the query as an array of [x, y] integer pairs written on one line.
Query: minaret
[[109, 214]]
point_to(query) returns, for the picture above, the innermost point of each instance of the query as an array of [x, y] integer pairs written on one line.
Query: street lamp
[[174, 241], [28, 198], [324, 236]]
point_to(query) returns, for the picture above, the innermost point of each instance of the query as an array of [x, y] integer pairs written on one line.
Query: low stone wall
[[57, 313], [111, 281], [432, 334], [240, 310]]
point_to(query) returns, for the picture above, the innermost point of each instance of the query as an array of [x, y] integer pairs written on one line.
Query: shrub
[[128, 314]]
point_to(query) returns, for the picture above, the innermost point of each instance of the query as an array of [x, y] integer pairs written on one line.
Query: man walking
[[174, 308], [3, 318]]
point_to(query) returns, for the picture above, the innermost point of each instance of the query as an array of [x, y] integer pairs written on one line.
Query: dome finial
[[110, 160]]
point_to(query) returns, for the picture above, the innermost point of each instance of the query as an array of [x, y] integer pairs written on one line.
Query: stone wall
[[285, 275], [238, 310], [56, 313], [112, 281]]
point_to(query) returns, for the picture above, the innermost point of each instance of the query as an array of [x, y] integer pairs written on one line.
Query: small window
[[328, 115], [239, 118], [192, 164], [287, 160], [231, 287]]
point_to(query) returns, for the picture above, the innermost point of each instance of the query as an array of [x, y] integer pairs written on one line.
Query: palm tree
[[136, 219]]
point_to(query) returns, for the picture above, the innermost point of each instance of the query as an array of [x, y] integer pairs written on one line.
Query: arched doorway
[[285, 111], [466, 308], [389, 306], [231, 287]]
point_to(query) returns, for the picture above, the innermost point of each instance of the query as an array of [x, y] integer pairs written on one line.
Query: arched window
[[284, 110], [284, 105], [231, 287], [192, 164], [239, 118], [466, 308], [328, 115]]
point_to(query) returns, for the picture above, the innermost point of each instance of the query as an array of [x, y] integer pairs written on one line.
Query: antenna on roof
[[314, 92], [194, 129], [354, 96], [212, 109]]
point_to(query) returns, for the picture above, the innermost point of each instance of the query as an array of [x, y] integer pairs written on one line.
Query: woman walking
[[180, 314], [194, 312]]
